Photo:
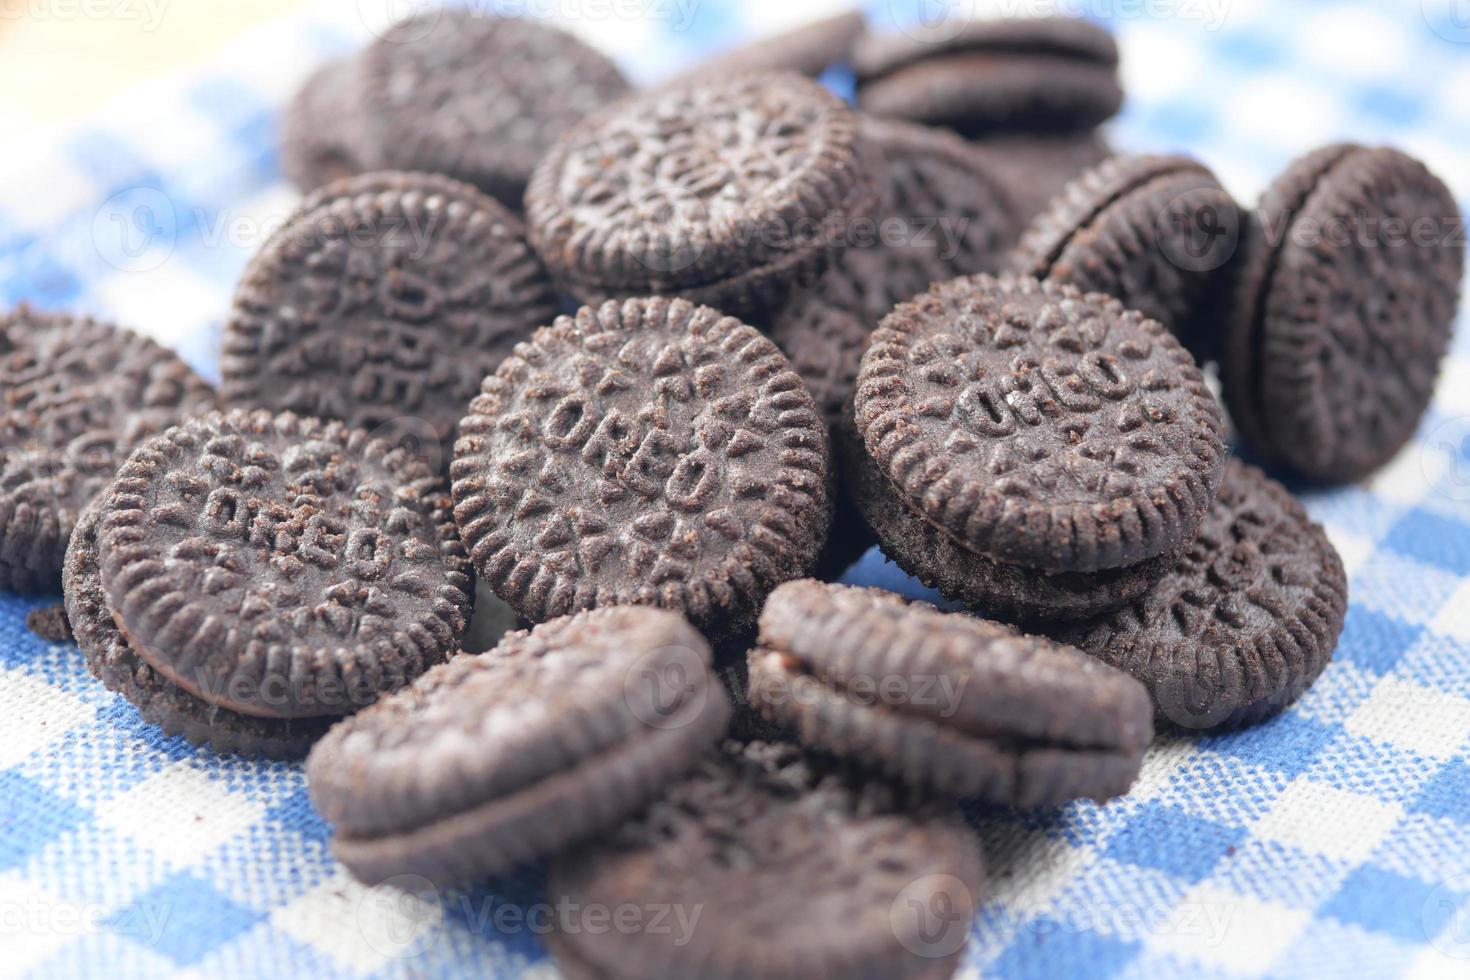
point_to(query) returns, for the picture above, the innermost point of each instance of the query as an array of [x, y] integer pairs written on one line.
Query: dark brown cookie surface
[[49, 623], [113, 661], [829, 875], [1344, 310], [808, 49], [946, 701], [645, 452], [1153, 232], [383, 302], [1038, 426], [1243, 623], [1042, 74], [493, 760], [478, 97], [282, 567], [727, 192], [322, 129], [78, 395], [1036, 167]]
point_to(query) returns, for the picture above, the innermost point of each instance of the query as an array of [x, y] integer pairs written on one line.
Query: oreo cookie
[[729, 192], [78, 396], [281, 567], [477, 97], [945, 701], [1036, 167], [809, 49], [491, 761], [112, 659], [321, 131], [645, 452], [383, 302], [1046, 74], [1243, 623], [837, 879], [1343, 312], [1039, 426], [1153, 232]]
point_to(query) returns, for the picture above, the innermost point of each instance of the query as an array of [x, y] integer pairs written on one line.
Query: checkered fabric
[[1334, 840]]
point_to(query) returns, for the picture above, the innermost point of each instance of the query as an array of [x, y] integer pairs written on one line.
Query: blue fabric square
[[1050, 948], [1383, 901], [31, 816], [1432, 538], [1447, 794], [1172, 840], [1287, 744], [1376, 642], [185, 917]]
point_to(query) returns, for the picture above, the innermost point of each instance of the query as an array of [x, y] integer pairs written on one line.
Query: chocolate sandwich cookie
[[1044, 74], [1243, 623], [645, 452], [836, 880], [478, 97], [945, 701], [281, 567], [728, 192], [322, 130], [1036, 167], [383, 302], [76, 395], [1012, 593], [1153, 232], [1039, 426], [1344, 310], [491, 761], [809, 49], [113, 661]]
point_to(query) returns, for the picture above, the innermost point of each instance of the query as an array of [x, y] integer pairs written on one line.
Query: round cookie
[[1153, 232], [1043, 74], [477, 97], [78, 395], [644, 452], [321, 130], [1243, 623], [729, 192], [491, 761], [1008, 592], [282, 567], [1344, 310], [113, 661], [809, 49], [1036, 167], [383, 302], [836, 880], [945, 701], [1039, 426]]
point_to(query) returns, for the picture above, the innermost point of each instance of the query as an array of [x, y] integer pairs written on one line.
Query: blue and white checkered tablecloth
[[1334, 840]]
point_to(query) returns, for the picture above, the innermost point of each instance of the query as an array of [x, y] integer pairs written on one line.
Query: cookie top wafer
[[478, 97], [281, 566], [78, 395], [725, 192], [648, 452], [1039, 426], [767, 845], [383, 302]]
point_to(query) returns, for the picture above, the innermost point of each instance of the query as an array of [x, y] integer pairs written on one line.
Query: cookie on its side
[[1244, 622], [1346, 301], [835, 879], [945, 701], [495, 760], [1036, 167]]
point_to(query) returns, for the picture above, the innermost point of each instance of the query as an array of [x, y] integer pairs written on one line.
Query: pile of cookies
[[788, 329]]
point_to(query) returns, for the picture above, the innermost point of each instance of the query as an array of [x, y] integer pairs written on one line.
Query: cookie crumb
[[49, 623]]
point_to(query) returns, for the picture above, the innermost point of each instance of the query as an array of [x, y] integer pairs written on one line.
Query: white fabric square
[[1409, 716], [1229, 931], [180, 813], [36, 715], [360, 927], [1325, 820]]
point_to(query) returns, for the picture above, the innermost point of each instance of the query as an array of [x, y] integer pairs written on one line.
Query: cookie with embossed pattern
[[1346, 302], [1043, 74], [491, 761], [113, 661], [282, 567], [836, 877], [383, 302], [945, 701], [809, 49], [1154, 232], [727, 192], [76, 395], [645, 451], [1039, 426], [478, 97], [1243, 623]]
